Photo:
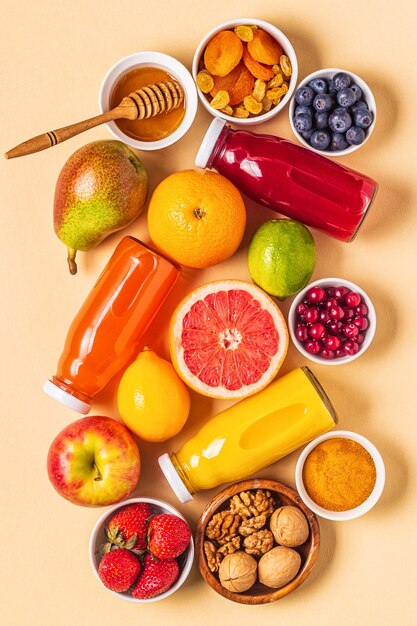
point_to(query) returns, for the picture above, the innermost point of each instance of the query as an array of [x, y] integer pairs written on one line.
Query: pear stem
[[71, 261]]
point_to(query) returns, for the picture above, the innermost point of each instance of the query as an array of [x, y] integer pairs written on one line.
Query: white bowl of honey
[[134, 72]]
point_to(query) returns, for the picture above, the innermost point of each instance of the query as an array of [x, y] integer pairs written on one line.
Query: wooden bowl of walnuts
[[256, 541]]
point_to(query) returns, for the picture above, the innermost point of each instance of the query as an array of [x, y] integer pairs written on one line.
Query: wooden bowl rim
[[218, 501]]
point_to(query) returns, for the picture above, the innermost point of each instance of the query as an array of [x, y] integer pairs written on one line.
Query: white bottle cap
[[174, 480], [66, 398], [209, 141]]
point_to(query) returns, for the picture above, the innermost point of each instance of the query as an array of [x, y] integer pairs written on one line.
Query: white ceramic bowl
[[161, 61], [98, 537], [362, 508], [367, 96], [288, 49], [332, 282]]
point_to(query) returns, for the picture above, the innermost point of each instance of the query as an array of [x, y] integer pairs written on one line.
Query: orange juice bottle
[[106, 332], [251, 434]]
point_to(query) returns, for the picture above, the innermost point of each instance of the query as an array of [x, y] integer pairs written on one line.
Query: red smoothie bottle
[[290, 179]]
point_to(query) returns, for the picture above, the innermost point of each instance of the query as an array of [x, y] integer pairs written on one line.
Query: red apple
[[94, 462]]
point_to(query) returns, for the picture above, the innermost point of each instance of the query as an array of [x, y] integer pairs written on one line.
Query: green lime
[[281, 257]]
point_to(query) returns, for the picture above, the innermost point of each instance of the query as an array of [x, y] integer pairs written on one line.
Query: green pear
[[101, 189]]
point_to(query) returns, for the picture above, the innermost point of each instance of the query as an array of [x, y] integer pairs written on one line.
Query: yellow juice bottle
[[251, 434]]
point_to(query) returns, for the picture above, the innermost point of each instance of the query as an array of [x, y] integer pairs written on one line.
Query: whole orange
[[197, 218]]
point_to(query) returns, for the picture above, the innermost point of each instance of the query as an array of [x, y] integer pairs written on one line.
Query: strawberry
[[119, 569], [168, 536], [157, 577], [127, 528]]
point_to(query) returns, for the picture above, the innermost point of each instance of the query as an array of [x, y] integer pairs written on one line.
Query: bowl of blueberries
[[332, 112]]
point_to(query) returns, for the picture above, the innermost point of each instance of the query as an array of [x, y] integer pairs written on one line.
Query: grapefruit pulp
[[228, 339]]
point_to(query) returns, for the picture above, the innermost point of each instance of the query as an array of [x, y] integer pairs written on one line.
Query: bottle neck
[[68, 387], [218, 147], [323, 395], [182, 474]]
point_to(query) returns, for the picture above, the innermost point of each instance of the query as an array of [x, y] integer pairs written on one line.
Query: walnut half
[[249, 504], [252, 524], [223, 527], [212, 556], [259, 543]]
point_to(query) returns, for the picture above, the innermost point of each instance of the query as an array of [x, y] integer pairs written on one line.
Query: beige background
[[53, 57]]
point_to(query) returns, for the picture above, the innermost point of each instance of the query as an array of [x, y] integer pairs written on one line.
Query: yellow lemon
[[153, 401]]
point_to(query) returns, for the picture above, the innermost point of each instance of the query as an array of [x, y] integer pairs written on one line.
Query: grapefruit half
[[228, 339]]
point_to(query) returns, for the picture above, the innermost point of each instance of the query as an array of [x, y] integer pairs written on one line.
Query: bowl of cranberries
[[141, 550], [332, 321], [332, 112]]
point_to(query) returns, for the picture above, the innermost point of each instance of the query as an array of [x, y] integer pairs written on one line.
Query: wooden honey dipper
[[146, 102]]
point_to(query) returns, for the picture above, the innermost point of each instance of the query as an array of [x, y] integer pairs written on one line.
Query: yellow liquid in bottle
[[256, 432]]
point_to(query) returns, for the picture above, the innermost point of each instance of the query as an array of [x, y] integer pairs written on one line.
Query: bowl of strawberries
[[141, 550]]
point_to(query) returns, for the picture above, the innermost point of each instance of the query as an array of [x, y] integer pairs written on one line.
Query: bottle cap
[[65, 398], [209, 141], [174, 480]]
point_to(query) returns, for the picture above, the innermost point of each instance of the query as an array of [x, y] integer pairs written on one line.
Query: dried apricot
[[259, 90], [285, 64], [223, 53], [241, 112], [252, 105], [276, 81], [255, 68], [266, 104], [204, 81], [245, 33], [238, 84], [263, 48], [220, 100]]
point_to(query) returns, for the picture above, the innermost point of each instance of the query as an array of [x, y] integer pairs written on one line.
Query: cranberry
[[349, 313], [340, 292], [327, 354], [353, 299], [311, 315], [335, 327], [350, 330], [360, 338], [312, 346], [361, 310], [361, 322], [301, 309], [350, 347], [329, 292], [340, 353], [302, 333], [316, 294], [324, 316], [331, 342], [336, 313], [317, 331], [331, 303]]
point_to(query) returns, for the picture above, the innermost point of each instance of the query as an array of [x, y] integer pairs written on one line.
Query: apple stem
[[98, 476]]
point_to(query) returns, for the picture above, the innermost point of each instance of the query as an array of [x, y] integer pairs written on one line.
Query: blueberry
[[359, 105], [340, 120], [355, 135], [320, 139], [319, 85], [307, 134], [346, 97], [323, 102], [356, 90], [363, 118], [341, 81], [304, 96], [303, 122], [331, 88], [303, 109], [338, 142], [321, 119]]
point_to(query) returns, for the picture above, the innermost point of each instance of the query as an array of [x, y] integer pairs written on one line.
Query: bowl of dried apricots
[[245, 71]]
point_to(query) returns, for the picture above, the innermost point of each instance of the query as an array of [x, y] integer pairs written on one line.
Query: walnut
[[230, 547], [212, 556], [223, 527], [252, 524], [289, 526], [278, 566], [259, 543], [250, 504], [238, 572]]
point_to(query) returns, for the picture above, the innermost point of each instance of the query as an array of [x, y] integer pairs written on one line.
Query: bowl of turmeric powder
[[340, 475]]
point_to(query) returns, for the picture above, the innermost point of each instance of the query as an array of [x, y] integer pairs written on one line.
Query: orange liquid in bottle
[[106, 332], [153, 128]]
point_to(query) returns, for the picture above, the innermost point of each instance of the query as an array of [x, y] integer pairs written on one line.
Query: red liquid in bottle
[[290, 179], [106, 332]]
